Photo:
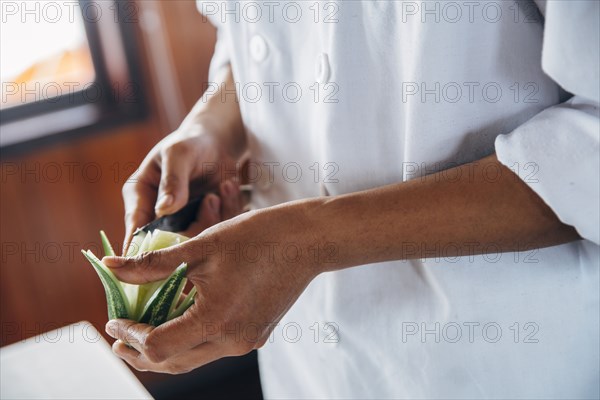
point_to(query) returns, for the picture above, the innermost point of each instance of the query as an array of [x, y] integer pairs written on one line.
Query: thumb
[[147, 267], [173, 190]]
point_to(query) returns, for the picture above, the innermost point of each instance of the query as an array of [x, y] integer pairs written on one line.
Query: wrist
[[347, 226], [229, 138], [288, 236], [218, 115], [316, 236], [321, 242]]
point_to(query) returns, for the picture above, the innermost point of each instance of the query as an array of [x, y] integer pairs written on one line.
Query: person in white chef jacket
[[425, 206]]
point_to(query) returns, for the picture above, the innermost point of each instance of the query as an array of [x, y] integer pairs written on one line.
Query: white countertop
[[72, 362]]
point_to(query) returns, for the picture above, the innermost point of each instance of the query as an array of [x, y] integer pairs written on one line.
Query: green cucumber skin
[[157, 311], [108, 249], [116, 308], [156, 302], [114, 297], [144, 294]]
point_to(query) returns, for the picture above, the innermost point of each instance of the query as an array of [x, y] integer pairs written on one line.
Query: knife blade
[[176, 222]]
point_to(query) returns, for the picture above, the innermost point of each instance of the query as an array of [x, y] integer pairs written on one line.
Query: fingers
[[215, 209], [181, 363], [209, 214], [150, 266], [130, 332], [173, 192], [177, 346], [139, 196], [176, 336], [157, 344], [231, 205]]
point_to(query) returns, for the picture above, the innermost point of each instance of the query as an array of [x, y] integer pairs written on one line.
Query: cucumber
[[165, 298], [118, 306], [154, 302]]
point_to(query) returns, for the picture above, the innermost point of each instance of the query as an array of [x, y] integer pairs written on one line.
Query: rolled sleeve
[[557, 152]]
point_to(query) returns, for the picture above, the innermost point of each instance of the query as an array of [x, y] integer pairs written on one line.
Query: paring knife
[[182, 219], [176, 222]]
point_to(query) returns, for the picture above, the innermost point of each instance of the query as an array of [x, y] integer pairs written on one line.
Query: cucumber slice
[[136, 244], [158, 307], [131, 291], [108, 249], [144, 294], [185, 304], [118, 305], [176, 297], [144, 245], [161, 239], [154, 302], [151, 241]]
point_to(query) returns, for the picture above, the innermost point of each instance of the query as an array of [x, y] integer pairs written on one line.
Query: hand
[[229, 203], [245, 283], [190, 160]]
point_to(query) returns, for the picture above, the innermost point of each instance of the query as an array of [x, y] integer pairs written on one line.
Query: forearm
[[218, 113], [455, 213]]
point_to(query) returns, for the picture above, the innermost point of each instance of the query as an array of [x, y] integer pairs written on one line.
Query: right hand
[[183, 165]]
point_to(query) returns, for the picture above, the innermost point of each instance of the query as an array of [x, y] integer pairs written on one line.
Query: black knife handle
[[176, 222]]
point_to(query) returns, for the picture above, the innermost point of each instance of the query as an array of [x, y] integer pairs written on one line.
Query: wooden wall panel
[[181, 56], [41, 214], [54, 201], [189, 44]]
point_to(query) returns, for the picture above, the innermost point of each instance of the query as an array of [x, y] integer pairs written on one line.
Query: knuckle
[[170, 181], [146, 259], [152, 350], [128, 333], [137, 364], [177, 369], [145, 263], [179, 148], [131, 187]]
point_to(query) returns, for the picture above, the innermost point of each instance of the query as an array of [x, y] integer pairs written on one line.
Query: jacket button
[[323, 70], [258, 48]]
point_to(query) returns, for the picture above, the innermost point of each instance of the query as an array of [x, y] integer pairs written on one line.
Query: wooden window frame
[[116, 95]]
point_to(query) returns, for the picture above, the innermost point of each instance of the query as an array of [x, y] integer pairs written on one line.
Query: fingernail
[[165, 201], [111, 328], [113, 262], [213, 203]]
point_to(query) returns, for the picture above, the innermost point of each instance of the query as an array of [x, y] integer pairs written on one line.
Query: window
[[65, 66], [43, 59]]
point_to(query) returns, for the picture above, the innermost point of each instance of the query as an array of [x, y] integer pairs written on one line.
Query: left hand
[[245, 280]]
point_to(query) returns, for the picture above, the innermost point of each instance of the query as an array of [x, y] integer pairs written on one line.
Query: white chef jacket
[[370, 93]]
